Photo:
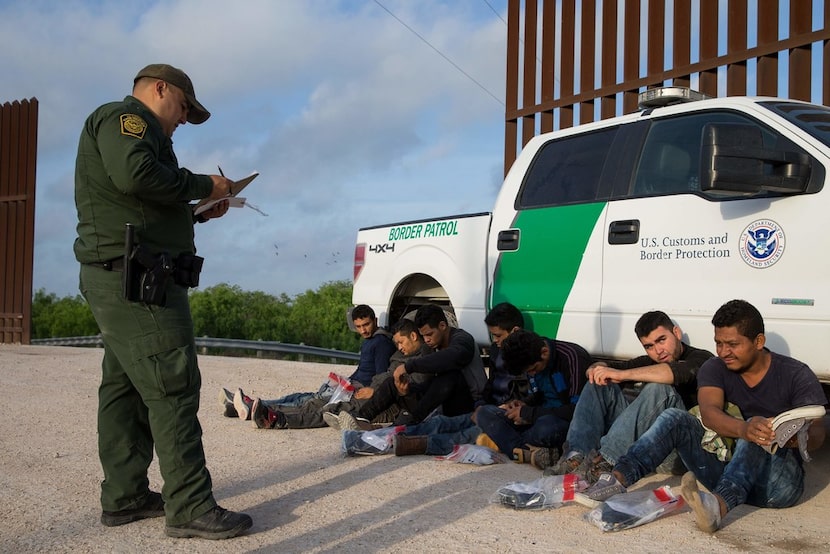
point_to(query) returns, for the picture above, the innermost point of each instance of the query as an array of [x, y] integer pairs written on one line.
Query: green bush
[[314, 318], [69, 316]]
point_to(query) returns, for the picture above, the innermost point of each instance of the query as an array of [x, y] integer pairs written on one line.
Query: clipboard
[[235, 200]]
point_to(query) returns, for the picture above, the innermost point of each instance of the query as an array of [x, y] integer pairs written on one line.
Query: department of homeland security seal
[[762, 243], [133, 125]]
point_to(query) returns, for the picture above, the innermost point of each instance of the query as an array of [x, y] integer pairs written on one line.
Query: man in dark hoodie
[[438, 435], [376, 349], [533, 429], [454, 368]]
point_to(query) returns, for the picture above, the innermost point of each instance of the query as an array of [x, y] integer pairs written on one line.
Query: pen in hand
[[222, 173]]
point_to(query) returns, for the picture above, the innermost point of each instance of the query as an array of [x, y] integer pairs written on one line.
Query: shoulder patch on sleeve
[[133, 125]]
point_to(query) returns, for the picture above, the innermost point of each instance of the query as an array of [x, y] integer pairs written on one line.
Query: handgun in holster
[[145, 274]]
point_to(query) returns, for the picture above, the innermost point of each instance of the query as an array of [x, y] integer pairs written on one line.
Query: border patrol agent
[[127, 173]]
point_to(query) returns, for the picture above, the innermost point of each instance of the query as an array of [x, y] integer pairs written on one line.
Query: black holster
[[146, 276]]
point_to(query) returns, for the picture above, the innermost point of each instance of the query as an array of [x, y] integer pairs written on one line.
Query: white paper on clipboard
[[235, 200]]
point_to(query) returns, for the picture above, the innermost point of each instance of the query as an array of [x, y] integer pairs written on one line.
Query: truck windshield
[[813, 120]]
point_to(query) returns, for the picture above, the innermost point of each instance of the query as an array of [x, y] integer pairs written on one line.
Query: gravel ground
[[303, 494]]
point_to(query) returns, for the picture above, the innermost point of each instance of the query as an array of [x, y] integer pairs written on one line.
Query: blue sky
[[350, 118]]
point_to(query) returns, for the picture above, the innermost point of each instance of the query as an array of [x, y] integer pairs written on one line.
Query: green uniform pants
[[149, 395]]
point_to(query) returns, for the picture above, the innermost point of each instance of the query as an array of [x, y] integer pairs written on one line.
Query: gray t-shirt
[[788, 384]]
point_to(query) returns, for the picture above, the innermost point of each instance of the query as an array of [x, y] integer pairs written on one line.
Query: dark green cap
[[197, 113]]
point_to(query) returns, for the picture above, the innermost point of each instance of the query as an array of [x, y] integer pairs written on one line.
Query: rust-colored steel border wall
[[544, 109], [18, 157]]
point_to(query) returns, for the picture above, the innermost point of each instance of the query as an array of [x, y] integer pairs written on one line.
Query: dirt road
[[303, 495]]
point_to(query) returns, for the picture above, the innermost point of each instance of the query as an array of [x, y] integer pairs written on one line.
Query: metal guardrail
[[207, 342]]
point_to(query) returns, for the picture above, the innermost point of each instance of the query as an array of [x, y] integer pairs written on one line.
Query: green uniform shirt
[[127, 172]]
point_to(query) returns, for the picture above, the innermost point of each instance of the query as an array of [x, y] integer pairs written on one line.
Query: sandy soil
[[303, 494]]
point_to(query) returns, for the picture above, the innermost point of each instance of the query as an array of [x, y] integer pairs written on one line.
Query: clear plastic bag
[[630, 509], [369, 443], [329, 385], [474, 454], [342, 389], [547, 492]]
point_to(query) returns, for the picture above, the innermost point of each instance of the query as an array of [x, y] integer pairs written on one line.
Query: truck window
[[670, 159], [567, 171], [814, 120]]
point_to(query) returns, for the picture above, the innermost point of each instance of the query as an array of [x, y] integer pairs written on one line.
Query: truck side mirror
[[734, 162]]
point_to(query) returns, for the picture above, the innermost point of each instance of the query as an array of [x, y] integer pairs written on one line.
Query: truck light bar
[[665, 96]]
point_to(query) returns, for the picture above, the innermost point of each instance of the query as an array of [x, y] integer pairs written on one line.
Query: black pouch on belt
[[188, 268]]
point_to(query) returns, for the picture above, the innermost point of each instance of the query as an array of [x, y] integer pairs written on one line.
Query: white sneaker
[[605, 487], [332, 420], [705, 505], [348, 421], [243, 404], [226, 401]]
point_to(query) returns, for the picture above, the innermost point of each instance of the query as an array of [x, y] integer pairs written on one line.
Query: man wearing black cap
[[126, 173]]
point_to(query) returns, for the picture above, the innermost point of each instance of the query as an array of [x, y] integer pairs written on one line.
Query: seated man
[[318, 412], [375, 352], [437, 435], [393, 402], [457, 377], [605, 423], [762, 384], [533, 429]]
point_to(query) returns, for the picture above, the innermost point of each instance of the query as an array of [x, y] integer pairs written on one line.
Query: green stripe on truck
[[538, 277]]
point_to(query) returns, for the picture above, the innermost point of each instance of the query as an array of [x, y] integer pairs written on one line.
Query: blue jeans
[[297, 399], [548, 430], [605, 421], [752, 477], [444, 432]]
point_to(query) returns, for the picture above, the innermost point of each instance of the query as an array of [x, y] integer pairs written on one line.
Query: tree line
[[315, 317]]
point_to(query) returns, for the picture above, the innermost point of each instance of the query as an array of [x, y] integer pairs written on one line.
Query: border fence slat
[[608, 72], [529, 72], [767, 65], [586, 62], [736, 42], [655, 62], [548, 61], [801, 55], [567, 54], [631, 54], [682, 39]]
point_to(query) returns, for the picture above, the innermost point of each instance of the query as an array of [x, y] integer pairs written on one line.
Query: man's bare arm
[[657, 373], [711, 401]]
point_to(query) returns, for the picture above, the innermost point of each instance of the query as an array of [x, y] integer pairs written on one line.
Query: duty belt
[[115, 264]]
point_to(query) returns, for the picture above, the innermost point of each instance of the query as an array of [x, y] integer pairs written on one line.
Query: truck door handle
[[508, 240], [625, 231]]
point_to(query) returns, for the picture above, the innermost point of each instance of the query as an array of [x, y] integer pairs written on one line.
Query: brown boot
[[409, 445], [539, 457], [543, 458], [484, 440]]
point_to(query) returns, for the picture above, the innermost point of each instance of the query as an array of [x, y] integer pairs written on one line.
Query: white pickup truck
[[679, 207]]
